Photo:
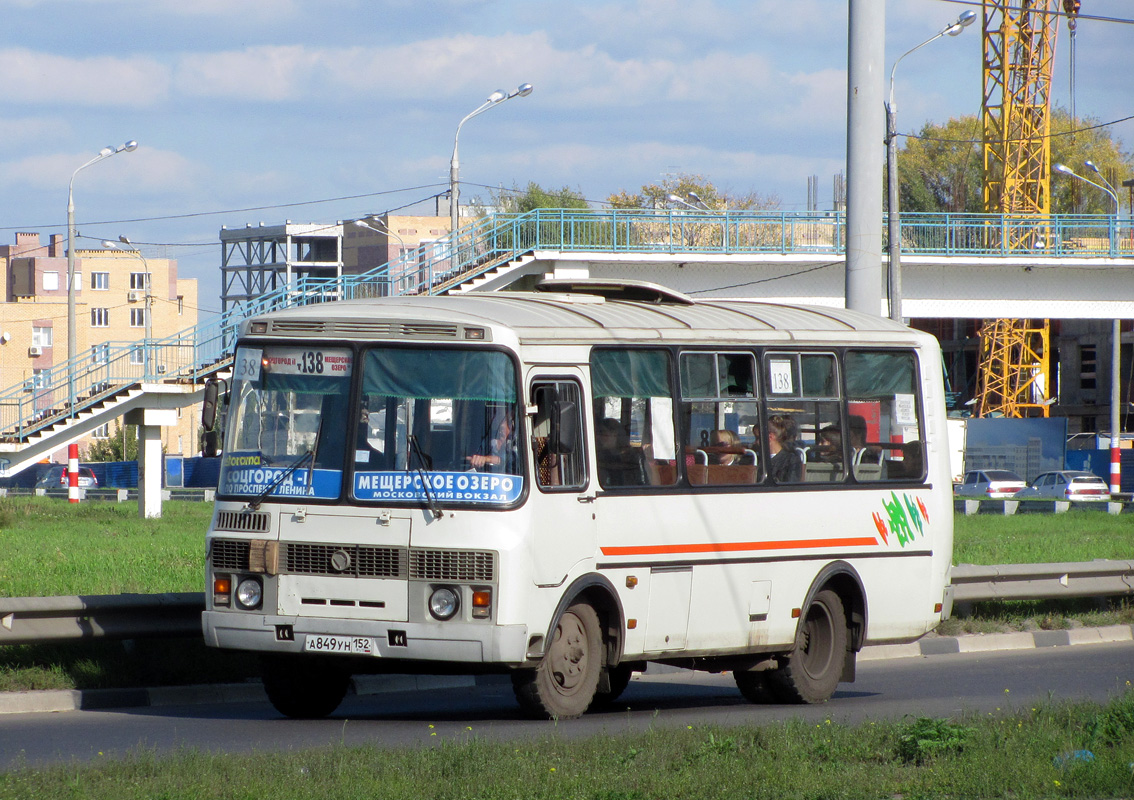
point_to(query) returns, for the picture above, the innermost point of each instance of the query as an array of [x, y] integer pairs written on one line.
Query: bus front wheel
[[564, 684], [812, 671], [304, 688]]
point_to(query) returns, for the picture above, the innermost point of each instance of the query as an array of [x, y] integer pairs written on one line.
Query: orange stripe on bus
[[732, 547]]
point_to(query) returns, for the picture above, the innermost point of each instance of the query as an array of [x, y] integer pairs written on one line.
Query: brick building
[[112, 288]]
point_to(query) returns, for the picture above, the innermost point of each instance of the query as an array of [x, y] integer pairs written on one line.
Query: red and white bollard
[[73, 473], [1115, 466]]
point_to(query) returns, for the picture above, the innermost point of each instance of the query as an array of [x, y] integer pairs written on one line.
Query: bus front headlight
[[249, 593], [444, 603]]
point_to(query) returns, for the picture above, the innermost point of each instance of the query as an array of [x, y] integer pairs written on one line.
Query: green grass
[[1038, 752], [50, 547], [1077, 535]]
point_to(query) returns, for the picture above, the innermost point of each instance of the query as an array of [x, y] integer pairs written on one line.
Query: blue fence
[[199, 473]]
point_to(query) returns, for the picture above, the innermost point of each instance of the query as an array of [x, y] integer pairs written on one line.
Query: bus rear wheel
[[565, 683], [304, 688], [812, 671]]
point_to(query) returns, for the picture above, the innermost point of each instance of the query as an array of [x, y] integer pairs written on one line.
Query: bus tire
[[566, 680], [304, 688], [754, 686], [811, 672], [617, 679]]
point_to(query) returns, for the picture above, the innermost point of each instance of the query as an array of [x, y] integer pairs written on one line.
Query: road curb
[[50, 701], [992, 642]]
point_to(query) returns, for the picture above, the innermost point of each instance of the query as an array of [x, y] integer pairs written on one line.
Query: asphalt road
[[938, 686]]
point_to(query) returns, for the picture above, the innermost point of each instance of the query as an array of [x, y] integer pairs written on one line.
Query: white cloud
[[33, 131], [259, 73], [33, 77], [146, 170]]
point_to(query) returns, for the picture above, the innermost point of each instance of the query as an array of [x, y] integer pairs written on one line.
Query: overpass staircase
[[71, 399]]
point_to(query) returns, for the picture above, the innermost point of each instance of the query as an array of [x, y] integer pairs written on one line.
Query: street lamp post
[[72, 337], [494, 99], [371, 223], [893, 228], [146, 344], [1115, 335]]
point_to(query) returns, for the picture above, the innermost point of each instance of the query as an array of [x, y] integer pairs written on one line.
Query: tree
[[121, 446], [683, 185], [517, 201], [941, 167]]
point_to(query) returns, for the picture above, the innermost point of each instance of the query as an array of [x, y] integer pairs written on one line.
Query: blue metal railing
[[60, 392]]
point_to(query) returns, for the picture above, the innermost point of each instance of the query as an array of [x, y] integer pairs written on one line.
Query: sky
[[251, 111]]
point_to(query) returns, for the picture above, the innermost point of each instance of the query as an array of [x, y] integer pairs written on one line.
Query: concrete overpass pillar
[[150, 421]]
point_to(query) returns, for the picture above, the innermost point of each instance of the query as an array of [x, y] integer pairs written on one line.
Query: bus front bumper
[[454, 641]]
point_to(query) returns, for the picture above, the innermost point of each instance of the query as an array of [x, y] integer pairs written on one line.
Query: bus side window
[[884, 408], [557, 436], [633, 405]]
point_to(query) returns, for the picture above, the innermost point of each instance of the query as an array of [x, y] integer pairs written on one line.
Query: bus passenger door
[[563, 530]]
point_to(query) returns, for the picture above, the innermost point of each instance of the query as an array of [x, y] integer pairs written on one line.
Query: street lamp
[[494, 99], [372, 223], [893, 219], [1115, 334], [72, 338], [672, 198], [130, 248]]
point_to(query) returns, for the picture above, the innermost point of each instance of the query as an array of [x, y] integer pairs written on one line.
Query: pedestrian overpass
[[953, 265]]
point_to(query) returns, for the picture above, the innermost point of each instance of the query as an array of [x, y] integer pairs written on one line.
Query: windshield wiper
[[433, 506], [255, 502]]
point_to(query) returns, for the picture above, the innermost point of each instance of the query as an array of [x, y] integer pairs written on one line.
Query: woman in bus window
[[786, 465], [498, 453], [726, 446]]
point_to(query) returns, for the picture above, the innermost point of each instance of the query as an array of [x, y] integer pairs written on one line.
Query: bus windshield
[[288, 404], [438, 425]]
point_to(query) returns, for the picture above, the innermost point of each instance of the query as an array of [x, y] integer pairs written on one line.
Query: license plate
[[339, 644]]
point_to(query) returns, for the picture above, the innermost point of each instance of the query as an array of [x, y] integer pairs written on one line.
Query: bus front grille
[[244, 521], [363, 561], [229, 554], [342, 560], [453, 565]]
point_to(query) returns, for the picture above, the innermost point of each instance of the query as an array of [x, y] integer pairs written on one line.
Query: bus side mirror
[[209, 405]]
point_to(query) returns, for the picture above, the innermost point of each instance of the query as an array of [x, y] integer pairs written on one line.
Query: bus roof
[[581, 317]]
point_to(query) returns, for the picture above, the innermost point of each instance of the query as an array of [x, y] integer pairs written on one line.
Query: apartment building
[[115, 292]]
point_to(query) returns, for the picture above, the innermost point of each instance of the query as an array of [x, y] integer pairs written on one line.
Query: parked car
[[990, 484], [1067, 484], [56, 478]]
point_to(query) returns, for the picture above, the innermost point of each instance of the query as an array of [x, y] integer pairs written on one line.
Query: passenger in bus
[[498, 453], [619, 464], [862, 453], [829, 449], [786, 465], [911, 464], [726, 447]]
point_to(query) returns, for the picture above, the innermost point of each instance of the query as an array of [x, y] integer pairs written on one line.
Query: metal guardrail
[[37, 620], [974, 583]]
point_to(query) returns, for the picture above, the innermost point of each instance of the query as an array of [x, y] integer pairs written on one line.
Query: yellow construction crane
[[1019, 48]]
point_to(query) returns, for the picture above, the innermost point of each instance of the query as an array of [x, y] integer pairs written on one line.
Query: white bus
[[570, 483]]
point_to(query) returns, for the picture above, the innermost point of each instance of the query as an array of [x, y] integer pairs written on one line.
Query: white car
[[990, 484], [1067, 484]]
